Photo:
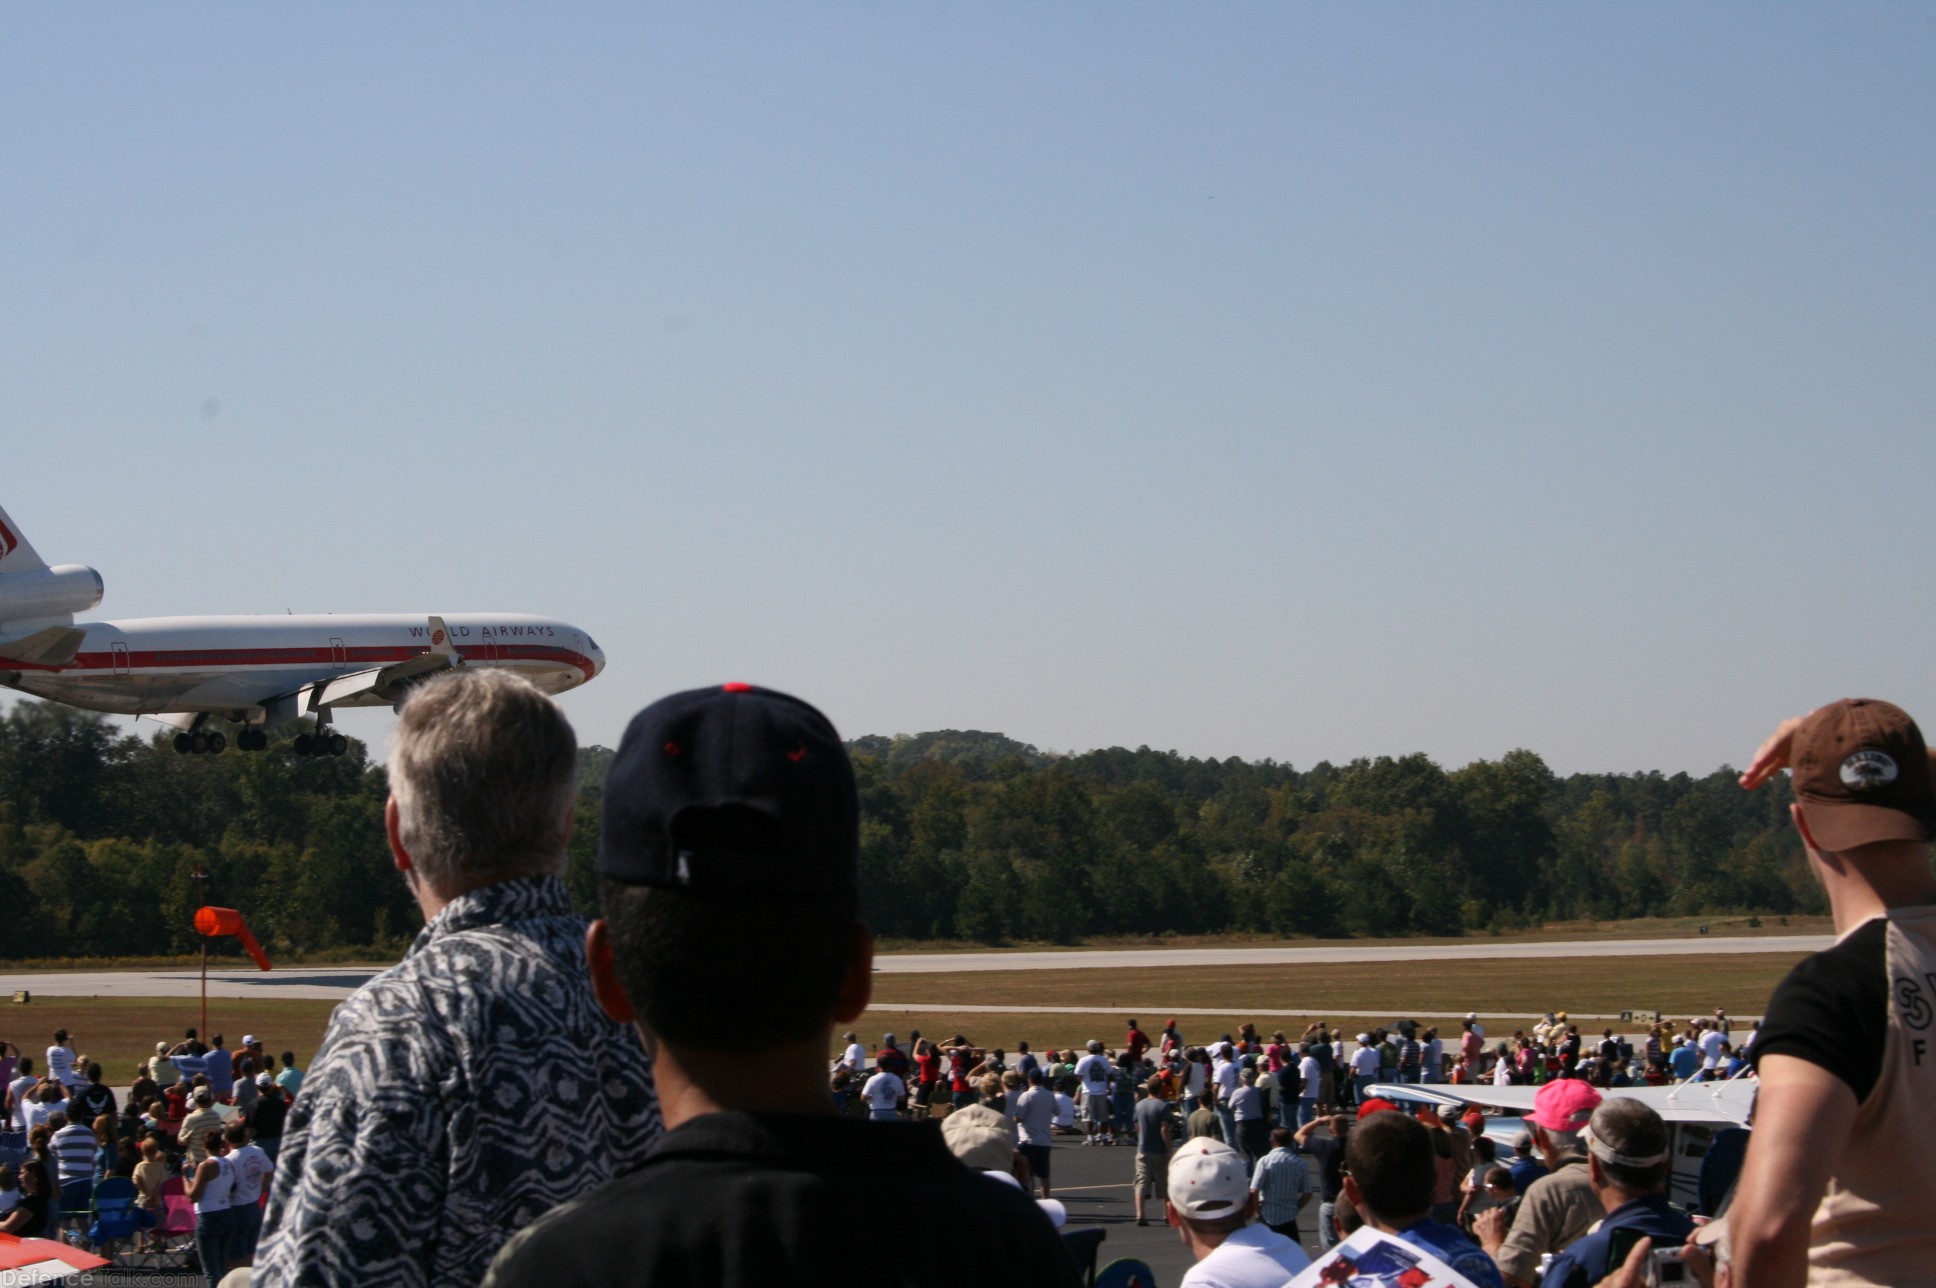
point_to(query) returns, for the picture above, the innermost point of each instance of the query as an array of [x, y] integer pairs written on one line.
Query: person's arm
[[207, 1171], [1803, 1114]]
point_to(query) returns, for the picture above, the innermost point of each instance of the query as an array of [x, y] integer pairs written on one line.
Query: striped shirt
[[74, 1147], [1280, 1179]]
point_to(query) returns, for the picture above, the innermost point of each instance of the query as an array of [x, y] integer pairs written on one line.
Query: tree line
[[109, 842]]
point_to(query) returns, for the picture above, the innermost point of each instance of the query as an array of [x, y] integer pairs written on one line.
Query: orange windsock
[[211, 922]]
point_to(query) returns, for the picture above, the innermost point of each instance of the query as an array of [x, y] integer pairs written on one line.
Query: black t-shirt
[[1329, 1152], [762, 1199], [1832, 1010], [266, 1119], [93, 1100]]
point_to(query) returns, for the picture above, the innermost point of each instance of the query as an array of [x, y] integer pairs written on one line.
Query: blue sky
[[1258, 380]]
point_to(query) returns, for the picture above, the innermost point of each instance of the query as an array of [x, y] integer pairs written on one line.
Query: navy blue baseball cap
[[733, 789]]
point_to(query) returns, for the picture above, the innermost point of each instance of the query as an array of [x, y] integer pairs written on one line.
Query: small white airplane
[[259, 672]]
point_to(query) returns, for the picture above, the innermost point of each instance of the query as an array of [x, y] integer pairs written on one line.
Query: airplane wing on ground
[[1686, 1102]]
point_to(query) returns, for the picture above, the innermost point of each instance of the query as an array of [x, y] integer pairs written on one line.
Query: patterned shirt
[[457, 1097], [1280, 1180]]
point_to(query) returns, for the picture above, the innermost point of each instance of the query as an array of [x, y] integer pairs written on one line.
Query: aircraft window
[[591, 642]]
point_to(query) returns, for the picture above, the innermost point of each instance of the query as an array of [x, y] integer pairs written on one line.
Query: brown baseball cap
[[1862, 773]]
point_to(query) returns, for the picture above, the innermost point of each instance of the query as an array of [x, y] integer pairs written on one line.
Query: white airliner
[[259, 672]]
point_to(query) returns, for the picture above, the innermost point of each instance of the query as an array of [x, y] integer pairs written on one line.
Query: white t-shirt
[[1364, 1061], [1502, 1074], [60, 1067], [1307, 1069], [253, 1168], [1065, 1110], [855, 1057], [1710, 1044], [1194, 1079], [1225, 1072], [39, 1112], [19, 1088], [1253, 1257], [1035, 1116], [1093, 1069], [884, 1090]]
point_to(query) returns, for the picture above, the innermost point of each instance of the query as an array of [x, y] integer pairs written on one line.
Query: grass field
[[118, 1031]]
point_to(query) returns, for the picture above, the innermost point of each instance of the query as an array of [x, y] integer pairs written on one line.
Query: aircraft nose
[[598, 660]]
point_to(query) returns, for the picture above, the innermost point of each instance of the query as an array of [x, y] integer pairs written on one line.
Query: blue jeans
[[1327, 1225], [215, 1243], [1307, 1109], [1361, 1087], [1227, 1118]]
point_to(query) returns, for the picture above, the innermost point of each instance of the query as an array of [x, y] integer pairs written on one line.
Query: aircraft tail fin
[[440, 644], [16, 555]]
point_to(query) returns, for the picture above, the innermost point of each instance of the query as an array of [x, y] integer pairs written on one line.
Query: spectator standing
[[252, 1167], [855, 1055], [1839, 1183], [1203, 1120], [73, 1146], [884, 1093], [1035, 1121], [267, 1118], [1389, 1175], [60, 1063], [1135, 1041], [1364, 1069], [476, 1084], [1094, 1074], [1281, 1184], [91, 1099], [1247, 1112], [211, 1187], [731, 815], [219, 1065], [1153, 1143], [1559, 1207], [18, 1093], [289, 1077], [195, 1127], [1311, 1080], [1212, 1207], [1328, 1153], [1628, 1160]]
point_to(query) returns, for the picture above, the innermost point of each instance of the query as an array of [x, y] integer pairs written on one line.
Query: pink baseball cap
[[1564, 1105]]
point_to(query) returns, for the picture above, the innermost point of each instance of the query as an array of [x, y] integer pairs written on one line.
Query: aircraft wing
[[384, 684], [1686, 1102]]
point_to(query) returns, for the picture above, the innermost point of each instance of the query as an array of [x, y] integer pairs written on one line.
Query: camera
[[1664, 1267]]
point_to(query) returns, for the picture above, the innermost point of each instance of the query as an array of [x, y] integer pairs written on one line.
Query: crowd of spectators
[[530, 1099], [196, 1120]]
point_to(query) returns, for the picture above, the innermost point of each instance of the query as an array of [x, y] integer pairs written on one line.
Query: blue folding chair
[[115, 1215]]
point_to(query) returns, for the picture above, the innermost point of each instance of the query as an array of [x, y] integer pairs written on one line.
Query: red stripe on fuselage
[[358, 657]]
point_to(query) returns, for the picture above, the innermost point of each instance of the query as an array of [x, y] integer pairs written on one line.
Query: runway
[[334, 983]]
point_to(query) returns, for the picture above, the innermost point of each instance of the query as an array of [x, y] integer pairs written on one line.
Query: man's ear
[[1351, 1192], [857, 985], [605, 985], [393, 829]]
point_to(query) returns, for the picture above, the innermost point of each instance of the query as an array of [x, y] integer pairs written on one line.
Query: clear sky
[[1261, 380]]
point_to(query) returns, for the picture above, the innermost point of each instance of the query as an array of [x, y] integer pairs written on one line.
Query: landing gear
[[252, 740], [196, 743], [321, 743]]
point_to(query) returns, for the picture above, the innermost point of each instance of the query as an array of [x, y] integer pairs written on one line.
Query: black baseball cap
[[732, 789]]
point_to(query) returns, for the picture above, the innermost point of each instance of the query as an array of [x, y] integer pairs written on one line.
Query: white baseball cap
[[1208, 1179]]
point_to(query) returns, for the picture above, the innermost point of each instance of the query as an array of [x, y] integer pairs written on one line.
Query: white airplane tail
[[16, 555], [38, 603]]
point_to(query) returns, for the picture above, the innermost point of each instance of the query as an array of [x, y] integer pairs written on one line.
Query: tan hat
[[1862, 774], [980, 1137], [1208, 1179]]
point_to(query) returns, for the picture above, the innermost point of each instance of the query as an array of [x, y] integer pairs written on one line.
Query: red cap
[[1376, 1106]]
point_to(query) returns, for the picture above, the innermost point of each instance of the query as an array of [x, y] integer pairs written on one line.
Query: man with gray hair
[[466, 1091], [1628, 1158]]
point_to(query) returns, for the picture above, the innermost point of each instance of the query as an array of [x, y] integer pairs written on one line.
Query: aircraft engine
[[48, 592]]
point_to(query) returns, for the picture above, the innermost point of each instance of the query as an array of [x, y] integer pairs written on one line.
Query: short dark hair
[[1391, 1158], [289, 1057], [1281, 1137], [687, 957]]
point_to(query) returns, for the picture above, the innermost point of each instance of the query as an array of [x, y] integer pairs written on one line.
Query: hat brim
[[1840, 826]]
